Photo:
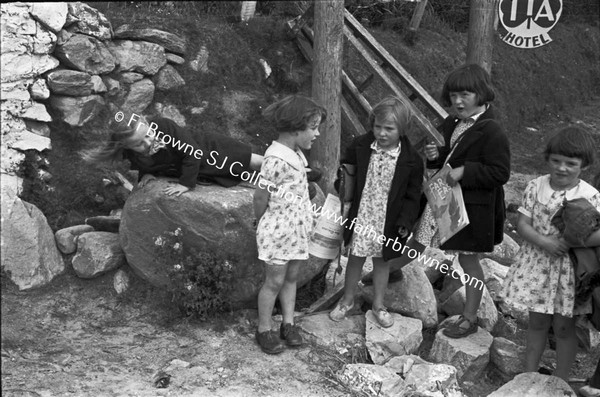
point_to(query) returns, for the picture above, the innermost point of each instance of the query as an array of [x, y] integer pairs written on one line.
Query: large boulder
[[84, 53], [70, 82], [532, 384], [212, 218], [87, 20], [97, 253], [52, 15], [138, 56], [29, 255]]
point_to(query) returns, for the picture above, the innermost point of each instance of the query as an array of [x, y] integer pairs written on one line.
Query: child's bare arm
[[553, 245], [261, 200]]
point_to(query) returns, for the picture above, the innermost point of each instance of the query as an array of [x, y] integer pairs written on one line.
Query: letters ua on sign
[[447, 204]]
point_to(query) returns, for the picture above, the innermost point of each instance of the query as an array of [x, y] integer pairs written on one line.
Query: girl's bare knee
[[539, 322]]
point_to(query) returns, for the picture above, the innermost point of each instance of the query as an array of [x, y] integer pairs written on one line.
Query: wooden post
[[480, 42], [415, 21], [327, 86]]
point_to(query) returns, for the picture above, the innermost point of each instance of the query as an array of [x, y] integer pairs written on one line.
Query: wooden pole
[[327, 86], [415, 21], [480, 42]]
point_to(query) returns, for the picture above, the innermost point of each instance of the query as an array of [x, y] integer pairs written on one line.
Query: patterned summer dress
[[372, 209], [284, 231], [537, 281]]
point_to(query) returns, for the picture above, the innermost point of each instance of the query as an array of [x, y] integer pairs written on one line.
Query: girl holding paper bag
[[478, 151], [389, 177]]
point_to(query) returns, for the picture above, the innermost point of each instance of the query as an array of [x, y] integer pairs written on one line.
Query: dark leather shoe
[[291, 335], [269, 342]]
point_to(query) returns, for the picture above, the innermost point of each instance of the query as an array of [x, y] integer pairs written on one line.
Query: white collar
[[581, 190], [395, 152], [294, 158]]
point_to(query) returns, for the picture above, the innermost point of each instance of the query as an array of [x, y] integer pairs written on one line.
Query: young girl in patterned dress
[[542, 279], [389, 179], [283, 212]]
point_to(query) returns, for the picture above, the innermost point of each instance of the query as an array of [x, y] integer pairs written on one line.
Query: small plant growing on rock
[[200, 281]]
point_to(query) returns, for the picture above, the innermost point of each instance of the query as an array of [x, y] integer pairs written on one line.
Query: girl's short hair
[[572, 142], [472, 78], [396, 107], [112, 150], [294, 113]]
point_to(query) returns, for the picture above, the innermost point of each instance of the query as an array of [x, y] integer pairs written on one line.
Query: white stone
[[39, 90], [121, 281], [52, 15], [15, 18], [507, 356], [344, 335], [532, 384], [37, 112], [16, 90], [372, 380], [98, 85], [43, 41], [404, 337], [20, 66], [470, 355], [435, 380], [10, 159], [97, 253], [29, 141], [504, 252]]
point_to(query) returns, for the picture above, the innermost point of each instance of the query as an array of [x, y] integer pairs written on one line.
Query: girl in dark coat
[[389, 178], [162, 148], [478, 152]]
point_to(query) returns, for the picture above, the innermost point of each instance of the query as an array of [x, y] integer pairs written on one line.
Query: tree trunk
[[482, 28], [327, 86]]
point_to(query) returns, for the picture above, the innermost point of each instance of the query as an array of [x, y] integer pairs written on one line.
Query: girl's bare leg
[[537, 334]]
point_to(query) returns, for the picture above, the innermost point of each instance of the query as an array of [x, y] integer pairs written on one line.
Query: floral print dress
[[284, 231], [537, 281], [372, 209]]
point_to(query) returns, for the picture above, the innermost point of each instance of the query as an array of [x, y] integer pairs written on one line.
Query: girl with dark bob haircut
[[294, 113], [572, 142], [472, 78]]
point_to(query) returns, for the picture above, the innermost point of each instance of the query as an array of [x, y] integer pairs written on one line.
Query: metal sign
[[527, 22]]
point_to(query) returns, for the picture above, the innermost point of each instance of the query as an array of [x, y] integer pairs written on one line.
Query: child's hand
[[145, 179], [431, 151], [175, 189], [455, 175], [403, 232], [554, 246]]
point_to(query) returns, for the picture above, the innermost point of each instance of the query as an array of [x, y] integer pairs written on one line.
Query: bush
[[200, 281]]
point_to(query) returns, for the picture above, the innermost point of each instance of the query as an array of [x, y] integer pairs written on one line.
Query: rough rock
[[453, 297], [87, 20], [138, 56], [171, 42], [470, 355], [10, 160], [98, 86], [507, 356], [39, 90], [26, 140], [169, 111], [339, 277], [412, 296], [138, 98], [52, 15], [504, 252], [167, 78], [22, 66], [520, 314], [494, 275], [15, 90], [514, 188], [66, 239], [404, 337], [37, 112], [76, 111], [97, 253], [16, 20], [340, 336], [587, 335], [130, 77], [38, 128], [174, 59], [212, 218], [44, 41], [70, 82], [84, 53], [112, 86], [437, 380], [372, 380], [103, 223], [532, 384], [430, 262], [121, 281], [29, 255]]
